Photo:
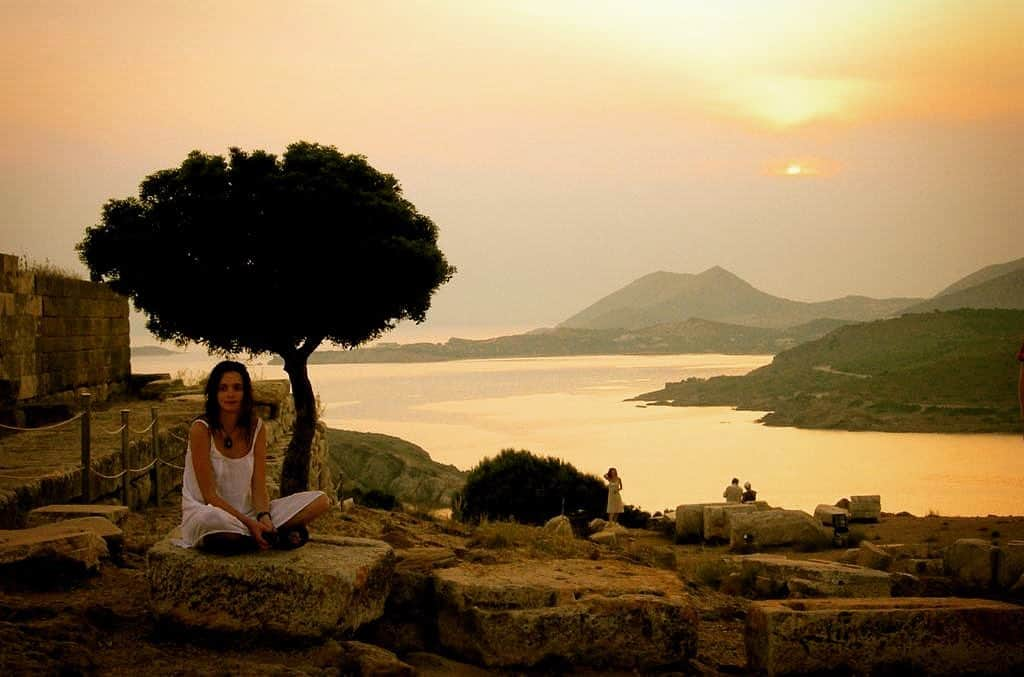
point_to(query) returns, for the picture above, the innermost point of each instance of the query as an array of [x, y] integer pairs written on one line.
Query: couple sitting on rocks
[[224, 502], [733, 494]]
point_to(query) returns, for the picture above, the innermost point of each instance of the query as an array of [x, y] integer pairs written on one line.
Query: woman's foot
[[289, 538]]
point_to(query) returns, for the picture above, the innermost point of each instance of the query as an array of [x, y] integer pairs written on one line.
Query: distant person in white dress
[[733, 493], [224, 502], [614, 494]]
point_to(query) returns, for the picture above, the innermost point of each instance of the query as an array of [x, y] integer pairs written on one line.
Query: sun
[[794, 170]]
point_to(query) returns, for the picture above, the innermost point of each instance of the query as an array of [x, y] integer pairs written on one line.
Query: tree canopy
[[255, 253]]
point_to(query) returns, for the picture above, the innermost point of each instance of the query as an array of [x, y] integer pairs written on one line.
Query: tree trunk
[[295, 470]]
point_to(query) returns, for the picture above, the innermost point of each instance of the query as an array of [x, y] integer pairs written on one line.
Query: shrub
[[634, 517], [517, 485], [374, 498]]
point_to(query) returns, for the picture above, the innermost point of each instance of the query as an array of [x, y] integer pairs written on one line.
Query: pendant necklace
[[227, 437]]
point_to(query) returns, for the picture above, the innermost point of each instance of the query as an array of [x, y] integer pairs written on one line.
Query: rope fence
[[127, 446]]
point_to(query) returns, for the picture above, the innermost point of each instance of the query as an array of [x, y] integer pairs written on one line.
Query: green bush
[[635, 517], [517, 485]]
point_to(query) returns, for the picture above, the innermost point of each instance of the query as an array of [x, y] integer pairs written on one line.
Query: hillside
[[943, 371], [1003, 291], [984, 275], [689, 336], [368, 461], [718, 295]]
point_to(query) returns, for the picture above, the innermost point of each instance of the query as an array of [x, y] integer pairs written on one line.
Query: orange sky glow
[[561, 124]]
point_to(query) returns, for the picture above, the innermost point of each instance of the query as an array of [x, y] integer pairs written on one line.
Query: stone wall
[[58, 335]]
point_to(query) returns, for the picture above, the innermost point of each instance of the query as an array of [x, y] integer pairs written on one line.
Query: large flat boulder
[[829, 579], [718, 519], [599, 614], [1011, 564], [690, 522], [116, 514], [329, 586], [772, 528], [940, 636]]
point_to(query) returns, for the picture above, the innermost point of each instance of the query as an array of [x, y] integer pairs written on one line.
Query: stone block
[[717, 519], [919, 567], [80, 549], [940, 636], [115, 514], [605, 615], [329, 586], [771, 528], [873, 557], [1011, 564], [971, 562], [101, 526], [833, 579], [824, 512], [865, 508], [690, 521]]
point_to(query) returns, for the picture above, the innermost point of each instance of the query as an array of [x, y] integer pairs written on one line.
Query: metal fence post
[[124, 456], [86, 448], [156, 456]]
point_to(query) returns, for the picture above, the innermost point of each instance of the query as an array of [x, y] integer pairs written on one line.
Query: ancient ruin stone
[[873, 557], [718, 519], [823, 513], [330, 585], [971, 562], [865, 508], [1011, 564], [116, 514], [769, 528], [604, 615], [942, 636], [53, 550], [831, 578]]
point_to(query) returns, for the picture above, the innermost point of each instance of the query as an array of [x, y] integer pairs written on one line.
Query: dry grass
[[532, 541], [47, 268]]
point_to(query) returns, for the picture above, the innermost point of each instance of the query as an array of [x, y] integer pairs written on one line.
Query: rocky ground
[[102, 625]]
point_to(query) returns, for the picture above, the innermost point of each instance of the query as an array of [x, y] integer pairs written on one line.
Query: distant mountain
[[951, 371], [152, 351], [689, 336], [718, 295], [984, 275], [1004, 291]]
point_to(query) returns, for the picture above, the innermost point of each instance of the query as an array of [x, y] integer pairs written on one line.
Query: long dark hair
[[212, 409]]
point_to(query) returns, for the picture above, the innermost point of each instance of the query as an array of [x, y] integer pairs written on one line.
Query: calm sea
[[574, 408]]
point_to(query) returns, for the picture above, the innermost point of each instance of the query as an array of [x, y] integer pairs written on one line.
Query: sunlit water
[[573, 408]]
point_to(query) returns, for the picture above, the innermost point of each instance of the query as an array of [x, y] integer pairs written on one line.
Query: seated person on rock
[[733, 493], [749, 495], [224, 502]]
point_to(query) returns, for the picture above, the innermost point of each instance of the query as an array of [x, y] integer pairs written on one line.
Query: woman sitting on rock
[[224, 503]]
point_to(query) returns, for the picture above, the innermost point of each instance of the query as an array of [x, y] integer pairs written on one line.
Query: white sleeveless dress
[[233, 477]]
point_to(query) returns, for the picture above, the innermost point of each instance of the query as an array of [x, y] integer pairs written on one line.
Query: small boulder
[[596, 524], [52, 551], [971, 562], [1011, 564], [47, 514], [905, 585], [873, 557], [359, 658], [559, 525]]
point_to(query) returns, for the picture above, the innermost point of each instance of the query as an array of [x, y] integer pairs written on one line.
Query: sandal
[[290, 538]]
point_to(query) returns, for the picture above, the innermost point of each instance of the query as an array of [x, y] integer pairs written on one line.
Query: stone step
[[330, 586], [117, 514], [925, 635]]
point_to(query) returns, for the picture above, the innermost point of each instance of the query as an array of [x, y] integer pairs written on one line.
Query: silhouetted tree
[[261, 254]]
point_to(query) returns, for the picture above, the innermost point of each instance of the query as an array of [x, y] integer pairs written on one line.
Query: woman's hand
[[260, 527]]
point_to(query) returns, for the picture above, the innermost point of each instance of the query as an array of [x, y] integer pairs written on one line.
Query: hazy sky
[[564, 148]]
